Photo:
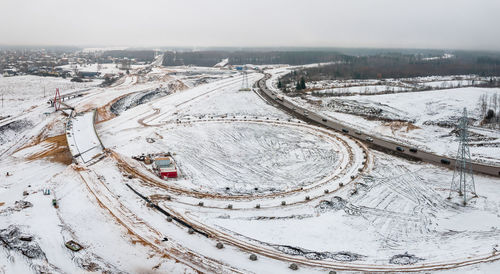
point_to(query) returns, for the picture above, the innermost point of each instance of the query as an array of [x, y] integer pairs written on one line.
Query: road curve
[[397, 148]]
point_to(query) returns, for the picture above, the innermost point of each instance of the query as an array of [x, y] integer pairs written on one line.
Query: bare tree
[[483, 104], [493, 102]]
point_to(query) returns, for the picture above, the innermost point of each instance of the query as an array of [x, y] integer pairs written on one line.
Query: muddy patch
[[401, 126], [53, 148], [104, 113]]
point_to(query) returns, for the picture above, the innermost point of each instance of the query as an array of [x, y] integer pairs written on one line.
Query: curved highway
[[397, 148]]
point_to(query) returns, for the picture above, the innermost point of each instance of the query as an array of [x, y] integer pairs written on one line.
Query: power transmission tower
[[244, 83], [463, 179], [57, 100]]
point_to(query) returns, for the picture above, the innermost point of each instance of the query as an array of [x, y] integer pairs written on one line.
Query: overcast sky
[[456, 24]]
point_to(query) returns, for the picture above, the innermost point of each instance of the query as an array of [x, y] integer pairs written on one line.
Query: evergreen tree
[[302, 83], [298, 86]]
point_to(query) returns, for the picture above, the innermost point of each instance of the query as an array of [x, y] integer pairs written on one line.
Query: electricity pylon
[[463, 179], [244, 83], [57, 100]]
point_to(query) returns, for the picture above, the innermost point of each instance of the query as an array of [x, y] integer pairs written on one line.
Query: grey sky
[[461, 24]]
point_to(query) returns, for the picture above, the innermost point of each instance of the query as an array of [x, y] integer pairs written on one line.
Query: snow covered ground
[[268, 157], [253, 178], [400, 208], [24, 93], [381, 86], [423, 119], [108, 68], [432, 114]]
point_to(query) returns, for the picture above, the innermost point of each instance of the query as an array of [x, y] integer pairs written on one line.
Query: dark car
[[400, 149], [445, 161], [414, 150], [324, 120], [345, 130]]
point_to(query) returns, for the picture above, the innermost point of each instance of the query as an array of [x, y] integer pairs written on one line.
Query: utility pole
[[463, 179]]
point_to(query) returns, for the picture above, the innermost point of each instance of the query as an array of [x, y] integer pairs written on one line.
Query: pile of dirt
[[404, 259], [176, 85], [13, 239], [368, 111], [20, 205], [342, 256], [336, 203]]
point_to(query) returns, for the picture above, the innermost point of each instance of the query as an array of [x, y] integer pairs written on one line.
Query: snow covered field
[[108, 68], [252, 178], [23, 93], [400, 209], [422, 119], [427, 111], [238, 157], [382, 86]]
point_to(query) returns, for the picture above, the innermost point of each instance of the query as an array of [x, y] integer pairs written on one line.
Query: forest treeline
[[210, 58], [397, 66], [138, 55]]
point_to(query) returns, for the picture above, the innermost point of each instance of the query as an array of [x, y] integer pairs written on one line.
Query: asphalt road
[[396, 148]]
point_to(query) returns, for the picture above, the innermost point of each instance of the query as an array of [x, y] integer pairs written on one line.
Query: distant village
[[77, 65]]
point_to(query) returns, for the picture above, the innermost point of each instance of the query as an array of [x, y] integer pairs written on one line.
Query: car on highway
[[445, 161], [357, 132], [306, 113], [345, 130], [369, 139], [324, 120], [413, 150], [400, 149]]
